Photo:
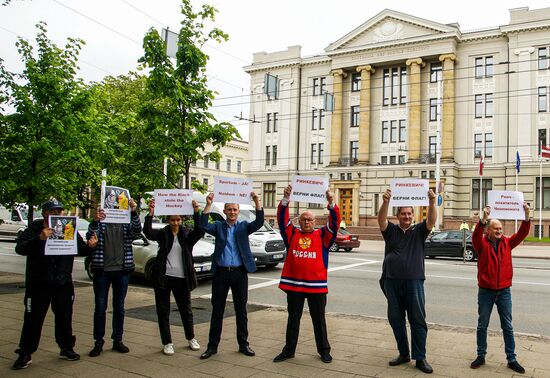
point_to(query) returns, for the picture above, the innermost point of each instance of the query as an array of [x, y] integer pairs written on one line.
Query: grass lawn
[[535, 239]]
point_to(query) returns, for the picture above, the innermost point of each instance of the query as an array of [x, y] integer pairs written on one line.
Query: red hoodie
[[494, 270]]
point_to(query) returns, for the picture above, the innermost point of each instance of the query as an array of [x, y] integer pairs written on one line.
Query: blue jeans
[[407, 296], [486, 298], [102, 282]]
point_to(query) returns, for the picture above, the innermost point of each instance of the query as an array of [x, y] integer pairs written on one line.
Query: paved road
[[451, 288]]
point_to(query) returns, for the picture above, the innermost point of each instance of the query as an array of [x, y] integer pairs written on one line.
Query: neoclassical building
[[373, 106]]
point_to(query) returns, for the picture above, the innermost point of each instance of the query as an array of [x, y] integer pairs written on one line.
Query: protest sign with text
[[232, 190], [173, 202], [63, 240], [309, 189], [409, 192], [506, 204], [115, 203]]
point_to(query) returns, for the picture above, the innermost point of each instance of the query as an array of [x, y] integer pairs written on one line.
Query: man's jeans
[[407, 295], [486, 298], [102, 282]]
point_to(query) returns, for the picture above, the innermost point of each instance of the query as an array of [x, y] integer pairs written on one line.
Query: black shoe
[[282, 357], [515, 366], [22, 362], [98, 348], [424, 366], [247, 351], [401, 359], [69, 354], [208, 353], [326, 357], [120, 347], [477, 362]]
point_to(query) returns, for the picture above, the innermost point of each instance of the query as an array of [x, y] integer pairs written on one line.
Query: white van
[[13, 221]]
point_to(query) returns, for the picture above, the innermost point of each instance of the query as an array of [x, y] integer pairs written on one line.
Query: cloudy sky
[[113, 31]]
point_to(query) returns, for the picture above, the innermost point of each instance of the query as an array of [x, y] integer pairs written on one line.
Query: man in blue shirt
[[231, 263]]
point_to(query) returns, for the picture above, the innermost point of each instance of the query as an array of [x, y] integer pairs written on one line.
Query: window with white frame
[[228, 165], [435, 109], [436, 72], [393, 131], [488, 105], [267, 155], [385, 131], [483, 105], [353, 151], [274, 155], [484, 67], [394, 86], [239, 166], [402, 130], [543, 58], [488, 144], [356, 82], [543, 99], [478, 144], [354, 122], [432, 146]]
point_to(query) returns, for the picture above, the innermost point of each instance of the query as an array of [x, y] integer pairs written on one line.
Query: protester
[[48, 280], [494, 278], [403, 278], [231, 263], [304, 273], [174, 272], [111, 264]]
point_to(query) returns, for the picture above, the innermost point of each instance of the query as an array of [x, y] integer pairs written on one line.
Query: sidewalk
[[361, 346]]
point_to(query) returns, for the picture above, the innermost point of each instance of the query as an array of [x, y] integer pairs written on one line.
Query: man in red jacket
[[494, 277], [305, 273]]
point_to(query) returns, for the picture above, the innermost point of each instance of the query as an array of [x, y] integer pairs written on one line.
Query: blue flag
[[518, 161]]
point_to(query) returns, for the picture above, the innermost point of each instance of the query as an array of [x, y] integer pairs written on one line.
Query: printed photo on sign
[[173, 202], [309, 189], [63, 240], [115, 202], [506, 204], [409, 192], [232, 190]]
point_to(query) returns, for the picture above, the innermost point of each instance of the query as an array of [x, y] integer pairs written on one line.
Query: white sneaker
[[194, 344], [168, 349]]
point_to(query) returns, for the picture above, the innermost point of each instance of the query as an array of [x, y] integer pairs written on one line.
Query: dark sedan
[[449, 244], [345, 241]]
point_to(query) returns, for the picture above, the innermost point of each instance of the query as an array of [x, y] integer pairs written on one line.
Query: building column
[[364, 117], [336, 139], [448, 107], [415, 108]]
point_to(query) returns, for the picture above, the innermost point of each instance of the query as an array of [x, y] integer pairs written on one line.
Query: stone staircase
[[366, 232]]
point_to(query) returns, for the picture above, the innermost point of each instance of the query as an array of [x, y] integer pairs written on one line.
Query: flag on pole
[[544, 151], [481, 164], [518, 161]]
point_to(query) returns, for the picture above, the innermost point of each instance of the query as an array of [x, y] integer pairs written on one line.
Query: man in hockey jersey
[[305, 273]]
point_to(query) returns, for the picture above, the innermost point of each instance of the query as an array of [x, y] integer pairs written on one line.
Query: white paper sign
[[63, 240], [232, 190], [115, 203], [309, 189], [506, 204], [409, 192], [173, 202]]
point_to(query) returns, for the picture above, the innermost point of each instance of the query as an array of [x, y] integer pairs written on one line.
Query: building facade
[[398, 85]]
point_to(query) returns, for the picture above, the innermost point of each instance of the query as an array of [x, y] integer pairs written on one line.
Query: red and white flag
[[481, 166], [544, 151]]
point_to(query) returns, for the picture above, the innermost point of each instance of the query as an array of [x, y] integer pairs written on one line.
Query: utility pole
[[439, 116]]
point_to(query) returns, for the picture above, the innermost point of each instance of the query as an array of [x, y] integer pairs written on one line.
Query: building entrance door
[[346, 205]]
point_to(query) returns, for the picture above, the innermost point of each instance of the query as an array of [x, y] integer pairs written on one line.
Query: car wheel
[[271, 266], [469, 255], [148, 271], [87, 267], [347, 249], [333, 247]]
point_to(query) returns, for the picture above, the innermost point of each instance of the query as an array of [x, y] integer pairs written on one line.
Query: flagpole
[[540, 199], [480, 186], [516, 221]]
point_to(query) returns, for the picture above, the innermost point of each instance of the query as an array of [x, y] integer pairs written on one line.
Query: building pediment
[[390, 27]]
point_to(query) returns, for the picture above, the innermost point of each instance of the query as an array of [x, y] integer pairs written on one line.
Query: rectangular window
[[403, 85], [206, 161], [349, 176], [384, 160], [239, 166], [275, 122], [342, 176], [218, 165], [489, 71], [424, 174], [269, 192], [436, 72], [313, 153], [321, 119], [478, 106], [394, 86], [228, 165], [356, 82], [386, 88], [353, 151], [479, 68], [274, 161], [385, 131], [392, 160], [543, 104], [432, 146], [487, 185], [545, 193], [543, 58], [402, 131], [393, 131], [354, 116], [205, 181], [267, 155], [268, 125], [478, 142], [542, 138], [322, 85], [488, 105], [194, 163], [401, 159], [434, 111], [321, 152], [489, 145], [315, 85], [314, 119]]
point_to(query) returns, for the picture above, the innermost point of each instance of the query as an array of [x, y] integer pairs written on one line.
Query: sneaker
[[168, 349], [477, 362], [96, 351], [69, 354], [194, 344], [22, 362], [120, 347], [515, 366]]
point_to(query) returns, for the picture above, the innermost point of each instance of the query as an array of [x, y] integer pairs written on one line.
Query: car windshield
[[249, 216], [25, 213], [344, 232]]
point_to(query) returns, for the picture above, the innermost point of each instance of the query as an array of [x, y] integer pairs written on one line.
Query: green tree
[[177, 112], [45, 123]]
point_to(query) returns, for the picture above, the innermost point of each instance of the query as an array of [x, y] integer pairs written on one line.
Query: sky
[[113, 31]]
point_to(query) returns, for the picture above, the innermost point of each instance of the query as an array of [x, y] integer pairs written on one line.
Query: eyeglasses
[[307, 220]]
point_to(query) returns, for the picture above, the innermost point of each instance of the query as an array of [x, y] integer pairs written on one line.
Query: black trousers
[[37, 301], [182, 294], [316, 304], [237, 280]]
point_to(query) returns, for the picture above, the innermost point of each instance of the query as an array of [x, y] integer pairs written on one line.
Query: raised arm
[[286, 228], [333, 221], [135, 222], [432, 211], [148, 225], [204, 226], [478, 231], [197, 233], [523, 231], [257, 223], [383, 212]]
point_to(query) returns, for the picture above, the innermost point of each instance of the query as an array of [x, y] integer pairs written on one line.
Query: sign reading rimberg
[[409, 192], [232, 190], [309, 189], [506, 204], [173, 202]]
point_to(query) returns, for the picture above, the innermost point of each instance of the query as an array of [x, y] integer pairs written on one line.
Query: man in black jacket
[[48, 280]]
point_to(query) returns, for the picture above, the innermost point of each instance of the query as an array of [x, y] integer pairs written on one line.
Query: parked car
[[449, 244], [345, 240], [13, 221]]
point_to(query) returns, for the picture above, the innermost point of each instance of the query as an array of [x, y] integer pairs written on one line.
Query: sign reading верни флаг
[[309, 189], [232, 190], [173, 202], [409, 192], [506, 204]]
